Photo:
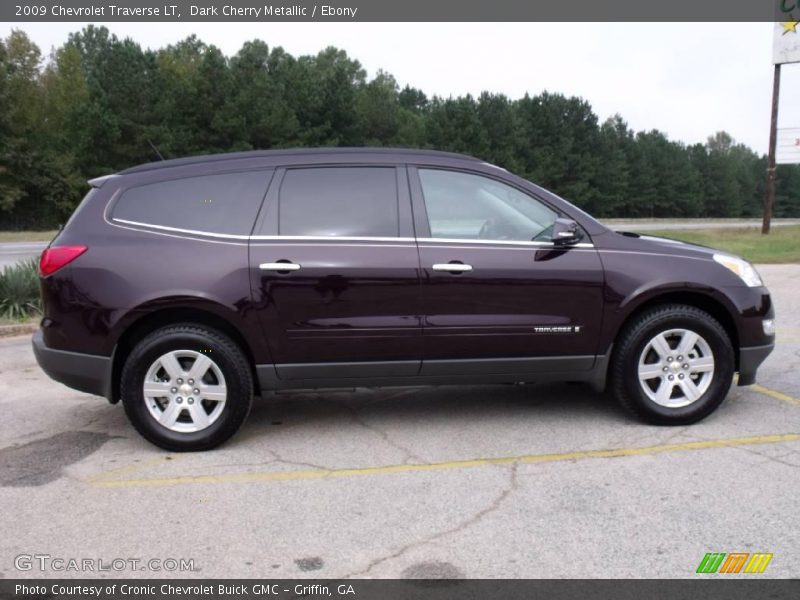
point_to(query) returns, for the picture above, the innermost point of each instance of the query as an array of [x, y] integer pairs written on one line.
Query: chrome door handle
[[279, 266], [452, 267]]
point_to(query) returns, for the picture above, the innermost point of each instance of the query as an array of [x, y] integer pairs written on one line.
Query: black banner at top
[[397, 10]]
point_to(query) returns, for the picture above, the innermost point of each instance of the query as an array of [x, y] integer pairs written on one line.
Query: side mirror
[[566, 232]]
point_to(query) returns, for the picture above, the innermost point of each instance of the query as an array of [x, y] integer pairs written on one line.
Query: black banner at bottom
[[399, 589]]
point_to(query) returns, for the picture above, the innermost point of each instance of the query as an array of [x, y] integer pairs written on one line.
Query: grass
[[19, 291], [27, 236], [782, 245]]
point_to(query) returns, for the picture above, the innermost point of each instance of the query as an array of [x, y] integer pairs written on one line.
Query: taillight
[[53, 259]]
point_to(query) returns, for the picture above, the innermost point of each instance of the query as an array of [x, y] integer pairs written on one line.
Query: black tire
[[633, 341], [229, 359]]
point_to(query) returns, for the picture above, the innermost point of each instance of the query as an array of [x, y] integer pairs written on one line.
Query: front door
[[497, 295], [335, 273]]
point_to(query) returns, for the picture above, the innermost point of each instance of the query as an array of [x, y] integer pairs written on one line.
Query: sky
[[688, 80]]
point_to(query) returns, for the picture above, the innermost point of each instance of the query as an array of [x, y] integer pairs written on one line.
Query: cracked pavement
[[464, 481]]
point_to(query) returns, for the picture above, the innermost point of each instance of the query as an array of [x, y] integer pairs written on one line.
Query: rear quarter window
[[219, 204]]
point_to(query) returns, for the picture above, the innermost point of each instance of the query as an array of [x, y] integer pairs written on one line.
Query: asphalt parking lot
[[483, 481]]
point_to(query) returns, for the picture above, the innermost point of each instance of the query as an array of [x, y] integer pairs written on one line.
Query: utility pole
[[769, 192]]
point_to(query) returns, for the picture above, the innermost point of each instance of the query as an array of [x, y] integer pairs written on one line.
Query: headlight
[[741, 267]]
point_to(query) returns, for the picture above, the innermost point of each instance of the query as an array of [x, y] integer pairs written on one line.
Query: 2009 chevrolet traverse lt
[[187, 286]]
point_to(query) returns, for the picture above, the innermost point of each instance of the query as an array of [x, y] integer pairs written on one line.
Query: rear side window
[[339, 201], [222, 204]]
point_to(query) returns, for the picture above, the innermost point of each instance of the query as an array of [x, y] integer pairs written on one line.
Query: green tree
[[412, 99], [322, 91], [455, 125], [98, 103], [11, 189], [560, 139], [615, 146], [501, 123], [257, 112], [787, 190], [378, 111]]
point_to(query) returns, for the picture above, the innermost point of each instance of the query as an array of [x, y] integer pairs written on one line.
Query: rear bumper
[[749, 361], [84, 372]]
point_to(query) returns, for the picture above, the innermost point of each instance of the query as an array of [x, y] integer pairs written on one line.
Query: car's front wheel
[[673, 365], [186, 387]]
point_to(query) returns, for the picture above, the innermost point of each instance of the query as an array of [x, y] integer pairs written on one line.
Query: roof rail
[[199, 159]]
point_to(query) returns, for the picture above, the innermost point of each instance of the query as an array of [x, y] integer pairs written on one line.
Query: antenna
[[153, 146]]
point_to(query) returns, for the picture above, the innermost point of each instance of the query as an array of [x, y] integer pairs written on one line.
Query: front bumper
[[749, 361], [84, 372]]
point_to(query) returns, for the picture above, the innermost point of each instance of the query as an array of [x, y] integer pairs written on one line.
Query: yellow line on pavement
[[775, 394], [265, 476]]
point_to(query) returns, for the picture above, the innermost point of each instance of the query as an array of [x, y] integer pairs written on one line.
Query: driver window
[[466, 206]]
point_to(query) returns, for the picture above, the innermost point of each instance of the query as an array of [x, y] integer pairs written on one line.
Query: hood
[[660, 245]]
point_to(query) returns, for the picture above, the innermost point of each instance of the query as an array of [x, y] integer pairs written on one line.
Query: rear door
[[335, 273], [497, 295]]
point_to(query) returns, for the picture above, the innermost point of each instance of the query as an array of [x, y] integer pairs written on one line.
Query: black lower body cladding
[[83, 372], [749, 361]]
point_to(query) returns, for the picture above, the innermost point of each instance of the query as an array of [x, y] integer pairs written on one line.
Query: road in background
[[656, 224], [465, 481], [12, 252]]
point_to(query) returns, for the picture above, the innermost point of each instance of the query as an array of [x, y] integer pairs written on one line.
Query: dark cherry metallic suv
[[185, 287]]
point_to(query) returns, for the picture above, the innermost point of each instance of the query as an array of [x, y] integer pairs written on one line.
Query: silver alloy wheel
[[185, 391], [676, 367]]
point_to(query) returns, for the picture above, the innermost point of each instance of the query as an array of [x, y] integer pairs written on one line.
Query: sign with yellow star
[[786, 45]]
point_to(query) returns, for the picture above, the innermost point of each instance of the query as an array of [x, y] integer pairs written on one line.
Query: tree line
[[98, 104]]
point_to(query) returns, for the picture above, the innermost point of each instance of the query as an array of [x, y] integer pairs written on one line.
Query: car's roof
[[294, 154]]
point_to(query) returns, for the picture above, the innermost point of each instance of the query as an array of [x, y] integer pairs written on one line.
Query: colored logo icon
[[734, 562]]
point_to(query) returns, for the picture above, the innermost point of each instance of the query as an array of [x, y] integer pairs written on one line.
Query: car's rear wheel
[[673, 365], [186, 387]]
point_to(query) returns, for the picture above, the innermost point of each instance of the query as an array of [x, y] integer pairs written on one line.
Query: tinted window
[[212, 203], [466, 206], [339, 201]]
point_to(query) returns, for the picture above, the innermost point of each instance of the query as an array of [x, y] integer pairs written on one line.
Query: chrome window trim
[[228, 236], [467, 242], [231, 242], [330, 238], [321, 245]]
